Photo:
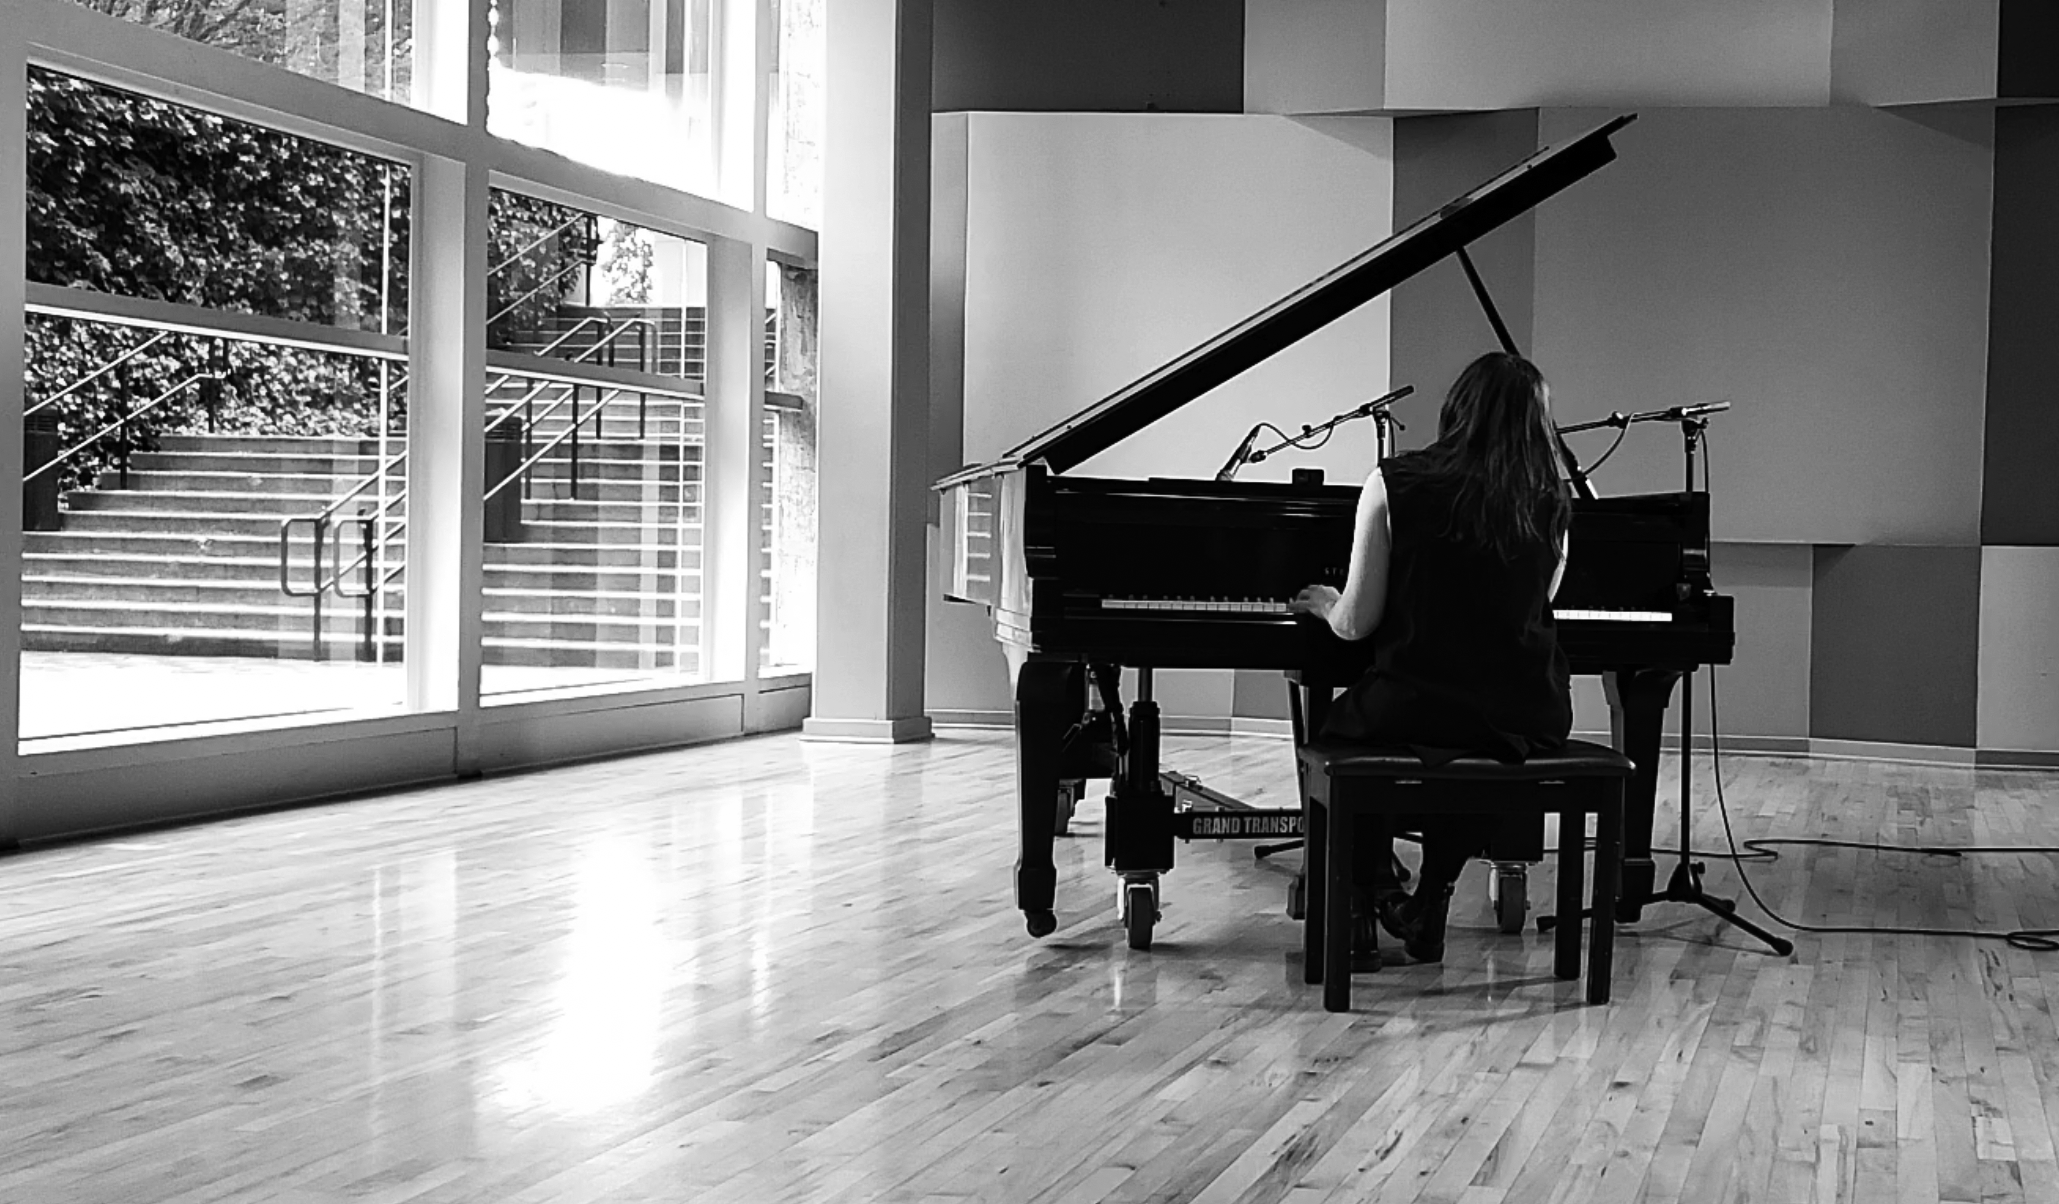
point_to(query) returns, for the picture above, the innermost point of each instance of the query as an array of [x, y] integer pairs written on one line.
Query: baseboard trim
[[1883, 750], [2011, 758], [1776, 746], [907, 730], [1171, 725], [1763, 746], [978, 719]]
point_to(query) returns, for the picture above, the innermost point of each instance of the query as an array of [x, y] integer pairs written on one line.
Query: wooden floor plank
[[768, 970]]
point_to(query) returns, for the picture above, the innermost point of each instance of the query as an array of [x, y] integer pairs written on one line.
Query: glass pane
[[570, 285], [140, 198], [793, 168], [593, 507], [363, 45], [159, 471], [787, 601], [626, 86]]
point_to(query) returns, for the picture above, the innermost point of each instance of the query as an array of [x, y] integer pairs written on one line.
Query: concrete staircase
[[186, 560]]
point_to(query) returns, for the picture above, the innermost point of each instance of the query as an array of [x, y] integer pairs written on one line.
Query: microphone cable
[[2034, 940]]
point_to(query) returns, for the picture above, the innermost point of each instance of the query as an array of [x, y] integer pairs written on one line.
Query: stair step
[[130, 501], [628, 554], [295, 445], [522, 604], [684, 658], [286, 615], [166, 641], [653, 513], [609, 534], [270, 483], [192, 524], [260, 463]]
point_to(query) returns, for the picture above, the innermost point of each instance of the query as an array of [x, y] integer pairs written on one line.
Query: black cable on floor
[[2036, 940]]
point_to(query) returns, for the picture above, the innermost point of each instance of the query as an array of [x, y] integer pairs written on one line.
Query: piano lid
[[1311, 307]]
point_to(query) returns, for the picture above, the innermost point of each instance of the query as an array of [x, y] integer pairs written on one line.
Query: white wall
[[1099, 246]]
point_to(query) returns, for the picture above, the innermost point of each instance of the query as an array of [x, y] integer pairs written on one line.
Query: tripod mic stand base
[[1685, 886]]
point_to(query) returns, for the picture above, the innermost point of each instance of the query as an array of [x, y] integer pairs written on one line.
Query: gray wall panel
[[1894, 637], [1115, 56], [2019, 496]]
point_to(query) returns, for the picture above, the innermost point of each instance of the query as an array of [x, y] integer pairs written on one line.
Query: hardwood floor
[[767, 971]]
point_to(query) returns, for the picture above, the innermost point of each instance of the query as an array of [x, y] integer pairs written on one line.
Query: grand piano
[[1088, 575]]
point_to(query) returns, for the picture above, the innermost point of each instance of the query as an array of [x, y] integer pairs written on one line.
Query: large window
[[627, 86], [787, 599], [364, 45], [271, 476], [594, 527], [207, 507], [793, 148]]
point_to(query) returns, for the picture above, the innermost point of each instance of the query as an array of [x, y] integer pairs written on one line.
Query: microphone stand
[[1376, 408], [1685, 884]]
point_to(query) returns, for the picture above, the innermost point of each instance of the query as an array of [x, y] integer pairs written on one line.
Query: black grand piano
[[1087, 575]]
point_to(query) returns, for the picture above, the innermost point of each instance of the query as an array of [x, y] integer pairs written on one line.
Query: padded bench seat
[[1343, 782]]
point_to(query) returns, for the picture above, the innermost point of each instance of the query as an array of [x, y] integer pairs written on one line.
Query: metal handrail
[[99, 372], [554, 277], [541, 239], [600, 405], [374, 533], [118, 424]]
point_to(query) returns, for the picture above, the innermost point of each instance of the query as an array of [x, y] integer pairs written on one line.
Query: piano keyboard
[[1225, 606], [1614, 616]]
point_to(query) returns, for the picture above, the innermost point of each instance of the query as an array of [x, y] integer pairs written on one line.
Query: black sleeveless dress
[[1466, 657]]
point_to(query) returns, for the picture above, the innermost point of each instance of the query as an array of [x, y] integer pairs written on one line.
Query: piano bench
[[1344, 782]]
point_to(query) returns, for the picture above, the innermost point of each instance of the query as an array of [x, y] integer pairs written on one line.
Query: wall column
[[13, 266], [875, 374]]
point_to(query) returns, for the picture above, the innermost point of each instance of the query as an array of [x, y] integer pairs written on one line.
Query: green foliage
[[141, 198], [626, 259], [536, 254]]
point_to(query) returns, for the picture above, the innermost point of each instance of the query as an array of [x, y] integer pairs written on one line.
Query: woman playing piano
[[1456, 552]]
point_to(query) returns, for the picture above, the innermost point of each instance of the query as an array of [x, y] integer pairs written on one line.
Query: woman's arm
[[1354, 612]]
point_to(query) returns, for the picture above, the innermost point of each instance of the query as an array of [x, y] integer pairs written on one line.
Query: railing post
[[321, 529], [575, 443], [211, 392], [528, 436], [124, 387], [365, 522]]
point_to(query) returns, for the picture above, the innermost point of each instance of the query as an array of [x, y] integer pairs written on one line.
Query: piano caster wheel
[[1511, 896], [1139, 906], [1068, 801], [1040, 923]]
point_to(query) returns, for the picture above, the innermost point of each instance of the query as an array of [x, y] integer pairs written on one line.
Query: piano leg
[[1049, 697], [1637, 716]]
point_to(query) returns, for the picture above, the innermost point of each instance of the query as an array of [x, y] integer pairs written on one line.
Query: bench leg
[[1315, 872], [1337, 908], [1566, 944], [1608, 861]]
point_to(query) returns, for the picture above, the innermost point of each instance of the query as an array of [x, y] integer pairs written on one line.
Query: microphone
[[1230, 466], [1678, 413], [1384, 400]]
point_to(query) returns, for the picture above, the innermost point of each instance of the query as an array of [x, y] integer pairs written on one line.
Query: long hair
[[1495, 442]]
